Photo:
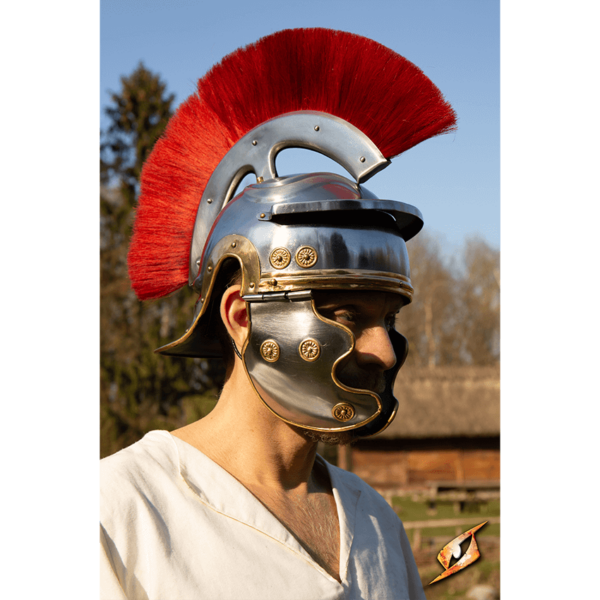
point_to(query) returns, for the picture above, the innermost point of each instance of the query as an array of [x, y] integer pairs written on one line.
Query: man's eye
[[345, 316]]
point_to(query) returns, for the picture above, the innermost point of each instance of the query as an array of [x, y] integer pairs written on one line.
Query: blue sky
[[453, 179]]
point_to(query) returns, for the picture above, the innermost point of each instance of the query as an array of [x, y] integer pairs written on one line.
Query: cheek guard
[[291, 356]]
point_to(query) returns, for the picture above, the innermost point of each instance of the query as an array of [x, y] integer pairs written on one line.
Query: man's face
[[370, 316]]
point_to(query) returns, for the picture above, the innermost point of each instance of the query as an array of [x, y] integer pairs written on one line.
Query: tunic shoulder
[[135, 476]]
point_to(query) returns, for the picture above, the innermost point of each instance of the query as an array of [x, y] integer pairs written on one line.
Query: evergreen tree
[[138, 116], [139, 390]]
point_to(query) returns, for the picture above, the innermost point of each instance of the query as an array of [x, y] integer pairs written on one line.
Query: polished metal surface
[[294, 215], [270, 227], [408, 218], [308, 393], [256, 153], [303, 392]]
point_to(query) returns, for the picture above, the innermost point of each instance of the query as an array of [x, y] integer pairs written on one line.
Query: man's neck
[[251, 443]]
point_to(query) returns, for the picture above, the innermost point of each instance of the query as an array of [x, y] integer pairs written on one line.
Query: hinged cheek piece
[[298, 381], [289, 235]]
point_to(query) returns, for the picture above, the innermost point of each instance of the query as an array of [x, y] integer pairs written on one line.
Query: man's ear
[[235, 315]]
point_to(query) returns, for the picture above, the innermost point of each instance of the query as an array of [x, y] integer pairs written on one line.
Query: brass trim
[[306, 257], [349, 274], [332, 279], [343, 411], [270, 351], [309, 349], [280, 258], [389, 421]]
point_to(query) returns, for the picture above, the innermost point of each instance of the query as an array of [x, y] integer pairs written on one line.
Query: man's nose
[[374, 348]]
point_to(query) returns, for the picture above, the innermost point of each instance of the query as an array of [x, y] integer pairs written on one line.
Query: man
[[299, 281]]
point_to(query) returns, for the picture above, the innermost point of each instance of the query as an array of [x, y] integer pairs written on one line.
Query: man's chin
[[342, 438]]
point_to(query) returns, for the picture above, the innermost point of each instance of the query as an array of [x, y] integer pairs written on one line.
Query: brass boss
[[280, 258], [309, 349], [269, 350], [306, 256], [343, 411]]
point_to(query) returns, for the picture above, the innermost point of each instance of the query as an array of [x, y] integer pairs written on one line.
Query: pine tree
[[139, 390], [138, 116]]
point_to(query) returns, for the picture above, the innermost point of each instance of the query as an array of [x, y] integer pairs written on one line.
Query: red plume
[[380, 92]]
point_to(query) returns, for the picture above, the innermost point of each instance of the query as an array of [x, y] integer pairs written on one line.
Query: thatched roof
[[446, 401]]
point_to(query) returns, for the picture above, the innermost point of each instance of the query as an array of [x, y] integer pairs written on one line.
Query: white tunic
[[177, 526]]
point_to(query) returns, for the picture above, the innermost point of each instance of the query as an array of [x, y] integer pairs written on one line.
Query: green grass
[[412, 510]]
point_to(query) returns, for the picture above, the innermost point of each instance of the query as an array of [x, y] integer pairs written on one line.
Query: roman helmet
[[339, 94]]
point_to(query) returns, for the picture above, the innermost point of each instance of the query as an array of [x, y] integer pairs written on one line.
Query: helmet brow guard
[[290, 235]]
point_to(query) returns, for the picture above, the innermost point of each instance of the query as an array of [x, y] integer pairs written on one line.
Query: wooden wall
[[388, 463]]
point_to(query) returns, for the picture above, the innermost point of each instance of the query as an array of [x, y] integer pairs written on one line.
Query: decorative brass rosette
[[269, 350], [343, 411], [306, 257], [280, 258], [309, 349]]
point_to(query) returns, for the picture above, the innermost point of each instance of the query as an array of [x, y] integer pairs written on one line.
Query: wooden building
[[447, 430]]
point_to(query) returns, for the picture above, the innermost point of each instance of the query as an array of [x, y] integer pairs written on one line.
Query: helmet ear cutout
[[207, 336], [229, 274], [199, 340]]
